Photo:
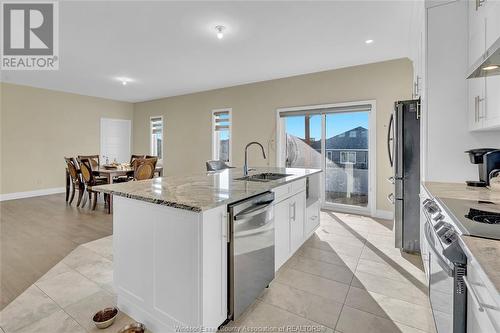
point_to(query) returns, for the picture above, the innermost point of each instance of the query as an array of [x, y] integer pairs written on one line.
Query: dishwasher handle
[[253, 211]]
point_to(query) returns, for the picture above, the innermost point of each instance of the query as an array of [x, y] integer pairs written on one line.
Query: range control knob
[[431, 207], [438, 217]]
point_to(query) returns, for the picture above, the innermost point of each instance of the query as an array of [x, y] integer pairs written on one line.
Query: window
[[329, 155], [156, 126], [221, 134], [352, 134], [348, 157]]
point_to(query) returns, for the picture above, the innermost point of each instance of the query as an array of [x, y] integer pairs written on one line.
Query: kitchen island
[[170, 240]]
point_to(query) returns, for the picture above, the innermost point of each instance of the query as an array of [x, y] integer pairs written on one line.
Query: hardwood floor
[[36, 233]]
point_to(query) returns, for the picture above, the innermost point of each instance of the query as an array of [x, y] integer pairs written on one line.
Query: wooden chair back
[[94, 160], [72, 169], [86, 170], [144, 168], [134, 158]]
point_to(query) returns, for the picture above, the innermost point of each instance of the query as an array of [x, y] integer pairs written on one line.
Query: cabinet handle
[[473, 293], [476, 109], [292, 217]]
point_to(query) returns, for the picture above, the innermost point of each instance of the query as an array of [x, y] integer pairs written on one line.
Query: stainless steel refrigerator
[[403, 145]]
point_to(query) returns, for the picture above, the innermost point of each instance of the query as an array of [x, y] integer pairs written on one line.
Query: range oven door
[[441, 282]]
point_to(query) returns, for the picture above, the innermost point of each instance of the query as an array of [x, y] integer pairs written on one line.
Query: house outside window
[[221, 135], [156, 139], [329, 155], [352, 134], [348, 157]]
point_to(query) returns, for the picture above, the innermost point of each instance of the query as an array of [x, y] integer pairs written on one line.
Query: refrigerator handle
[[390, 139]]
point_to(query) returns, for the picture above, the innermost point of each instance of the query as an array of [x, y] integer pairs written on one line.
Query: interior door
[[115, 140]]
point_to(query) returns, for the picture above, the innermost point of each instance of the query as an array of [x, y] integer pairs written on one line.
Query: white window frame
[[214, 138], [162, 136], [343, 161], [372, 146]]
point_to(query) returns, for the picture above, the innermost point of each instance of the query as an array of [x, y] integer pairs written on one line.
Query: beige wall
[[39, 127], [188, 118]]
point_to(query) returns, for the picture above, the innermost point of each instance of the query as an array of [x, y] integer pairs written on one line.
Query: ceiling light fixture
[[124, 80], [490, 67], [220, 31], [369, 41]]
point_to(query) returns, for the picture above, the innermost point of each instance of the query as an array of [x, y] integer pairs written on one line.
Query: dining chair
[[75, 179], [133, 158], [214, 165], [90, 181], [95, 162], [144, 168]]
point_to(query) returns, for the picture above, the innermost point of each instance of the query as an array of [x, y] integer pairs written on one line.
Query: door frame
[[371, 208]]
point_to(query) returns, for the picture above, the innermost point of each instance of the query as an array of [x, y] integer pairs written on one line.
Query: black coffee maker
[[487, 160]]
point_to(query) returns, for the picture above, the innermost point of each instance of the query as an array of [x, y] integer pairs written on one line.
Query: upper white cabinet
[[483, 93], [492, 16]]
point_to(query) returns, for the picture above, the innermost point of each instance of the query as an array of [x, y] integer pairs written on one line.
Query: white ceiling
[[170, 48]]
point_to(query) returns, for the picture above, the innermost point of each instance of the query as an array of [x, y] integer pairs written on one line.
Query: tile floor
[[346, 278]]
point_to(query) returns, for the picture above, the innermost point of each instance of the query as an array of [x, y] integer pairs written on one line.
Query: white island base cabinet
[[170, 266], [296, 216]]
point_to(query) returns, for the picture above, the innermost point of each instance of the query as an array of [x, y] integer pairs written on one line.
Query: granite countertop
[[487, 254], [485, 251], [462, 191], [202, 191]]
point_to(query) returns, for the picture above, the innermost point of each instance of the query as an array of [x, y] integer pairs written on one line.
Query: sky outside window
[[343, 122]]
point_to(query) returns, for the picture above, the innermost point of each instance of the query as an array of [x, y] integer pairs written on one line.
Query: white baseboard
[[29, 194], [384, 214]]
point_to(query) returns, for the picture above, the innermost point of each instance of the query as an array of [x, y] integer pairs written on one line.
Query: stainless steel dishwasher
[[251, 251]]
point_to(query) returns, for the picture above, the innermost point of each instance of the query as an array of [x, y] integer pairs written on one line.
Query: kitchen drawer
[[485, 299], [312, 218], [287, 190]]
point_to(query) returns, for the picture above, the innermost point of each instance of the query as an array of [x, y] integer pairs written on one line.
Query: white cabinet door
[[297, 218], [281, 233], [477, 25], [492, 8], [476, 103], [312, 218], [492, 102]]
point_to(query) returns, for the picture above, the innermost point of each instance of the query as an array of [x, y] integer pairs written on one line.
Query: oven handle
[[440, 261]]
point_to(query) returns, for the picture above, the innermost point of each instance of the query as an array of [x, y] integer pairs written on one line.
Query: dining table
[[111, 173], [120, 170]]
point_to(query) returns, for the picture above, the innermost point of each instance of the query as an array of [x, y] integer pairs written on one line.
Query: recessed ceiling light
[[490, 67], [369, 41], [220, 31], [124, 80]]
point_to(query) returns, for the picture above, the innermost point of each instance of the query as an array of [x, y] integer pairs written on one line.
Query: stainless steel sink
[[264, 177]]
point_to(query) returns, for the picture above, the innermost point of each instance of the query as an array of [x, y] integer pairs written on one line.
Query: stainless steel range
[[446, 268], [445, 261], [474, 218]]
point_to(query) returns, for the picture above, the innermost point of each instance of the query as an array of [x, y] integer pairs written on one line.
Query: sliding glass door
[[346, 164], [335, 139]]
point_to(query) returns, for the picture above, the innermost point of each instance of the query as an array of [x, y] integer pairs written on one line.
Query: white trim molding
[[29, 194]]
